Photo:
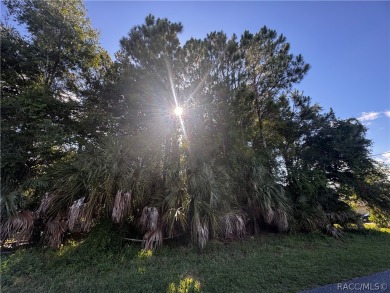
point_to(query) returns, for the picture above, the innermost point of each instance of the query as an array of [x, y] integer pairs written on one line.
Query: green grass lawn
[[266, 263]]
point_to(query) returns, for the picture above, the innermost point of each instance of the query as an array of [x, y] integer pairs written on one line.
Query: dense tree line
[[86, 138]]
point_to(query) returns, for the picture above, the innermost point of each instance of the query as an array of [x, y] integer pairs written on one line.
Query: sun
[[178, 111]]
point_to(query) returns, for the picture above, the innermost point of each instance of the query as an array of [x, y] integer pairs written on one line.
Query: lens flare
[[178, 111]]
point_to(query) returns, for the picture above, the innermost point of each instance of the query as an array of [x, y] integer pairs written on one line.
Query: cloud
[[384, 158], [387, 113], [367, 116]]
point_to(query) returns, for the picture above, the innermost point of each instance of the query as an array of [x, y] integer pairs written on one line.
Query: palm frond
[[334, 232], [75, 212], [96, 173], [174, 206], [149, 218], [281, 221], [91, 212], [18, 227], [54, 231], [86, 220], [8, 202], [45, 205], [172, 218], [149, 222], [210, 196], [342, 217], [269, 215], [233, 226], [153, 239], [310, 218], [122, 206], [263, 199], [200, 234], [36, 183]]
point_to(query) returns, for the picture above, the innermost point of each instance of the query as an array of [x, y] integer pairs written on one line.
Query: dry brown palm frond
[[75, 211], [86, 221], [281, 221], [46, 202], [149, 218], [54, 231], [122, 206], [334, 232], [19, 226], [153, 232], [233, 226], [90, 214], [200, 234], [269, 216], [153, 239]]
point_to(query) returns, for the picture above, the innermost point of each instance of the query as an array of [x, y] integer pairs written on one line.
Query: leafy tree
[[66, 44], [373, 186], [326, 161], [44, 79]]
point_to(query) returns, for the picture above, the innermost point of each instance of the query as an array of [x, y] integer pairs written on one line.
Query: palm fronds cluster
[[19, 226], [122, 205], [233, 226], [149, 222], [197, 197]]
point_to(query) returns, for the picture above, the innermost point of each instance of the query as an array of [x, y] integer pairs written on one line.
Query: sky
[[347, 45]]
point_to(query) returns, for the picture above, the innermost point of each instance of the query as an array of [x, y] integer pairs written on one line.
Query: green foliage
[[270, 70], [96, 174], [44, 78], [380, 218], [262, 198], [104, 237], [374, 187], [62, 36], [93, 140], [208, 188]]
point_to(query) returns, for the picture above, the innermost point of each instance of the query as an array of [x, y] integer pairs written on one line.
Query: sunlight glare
[[178, 111]]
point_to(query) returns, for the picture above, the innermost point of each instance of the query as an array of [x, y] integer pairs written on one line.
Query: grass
[[266, 263]]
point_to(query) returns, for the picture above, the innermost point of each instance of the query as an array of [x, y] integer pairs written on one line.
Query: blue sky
[[346, 43]]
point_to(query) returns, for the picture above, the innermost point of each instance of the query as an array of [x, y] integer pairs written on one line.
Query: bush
[[380, 218], [104, 237]]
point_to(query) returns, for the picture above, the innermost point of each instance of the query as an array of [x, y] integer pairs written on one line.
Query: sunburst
[[178, 111]]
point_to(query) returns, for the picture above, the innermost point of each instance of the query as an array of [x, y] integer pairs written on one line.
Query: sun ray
[[183, 128], [171, 83], [177, 110]]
